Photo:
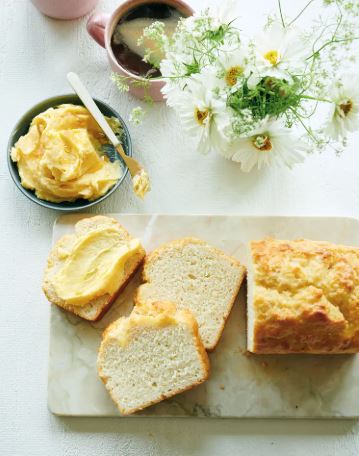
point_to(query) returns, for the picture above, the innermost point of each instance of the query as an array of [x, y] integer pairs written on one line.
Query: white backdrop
[[35, 54]]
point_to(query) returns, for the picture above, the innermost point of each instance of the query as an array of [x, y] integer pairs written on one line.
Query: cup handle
[[96, 27]]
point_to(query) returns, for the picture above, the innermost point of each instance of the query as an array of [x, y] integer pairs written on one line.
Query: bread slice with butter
[[151, 355], [303, 297], [197, 276], [86, 270]]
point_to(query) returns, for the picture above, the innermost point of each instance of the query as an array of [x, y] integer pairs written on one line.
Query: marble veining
[[240, 385]]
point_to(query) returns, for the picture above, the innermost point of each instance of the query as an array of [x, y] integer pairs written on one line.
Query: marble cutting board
[[240, 385]]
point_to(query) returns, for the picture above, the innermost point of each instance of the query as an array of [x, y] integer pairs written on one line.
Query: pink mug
[[65, 9], [101, 27]]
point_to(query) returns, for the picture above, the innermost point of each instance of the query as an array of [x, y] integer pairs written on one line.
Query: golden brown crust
[[187, 316], [179, 243], [96, 308], [305, 297]]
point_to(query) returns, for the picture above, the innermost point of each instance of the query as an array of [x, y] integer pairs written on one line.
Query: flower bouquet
[[264, 100]]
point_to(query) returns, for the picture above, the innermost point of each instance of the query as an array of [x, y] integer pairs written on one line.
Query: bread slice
[[96, 308], [151, 355], [197, 276], [303, 297]]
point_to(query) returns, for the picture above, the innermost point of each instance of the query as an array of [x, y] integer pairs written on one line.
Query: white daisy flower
[[202, 113], [270, 143], [280, 51], [344, 116], [233, 65]]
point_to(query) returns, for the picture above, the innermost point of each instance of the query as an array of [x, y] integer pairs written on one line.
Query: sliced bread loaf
[[197, 276], [151, 355], [95, 308]]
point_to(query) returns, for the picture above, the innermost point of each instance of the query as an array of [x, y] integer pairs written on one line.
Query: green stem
[[308, 116], [160, 78], [344, 40], [303, 125], [300, 13], [340, 19], [308, 97], [281, 14]]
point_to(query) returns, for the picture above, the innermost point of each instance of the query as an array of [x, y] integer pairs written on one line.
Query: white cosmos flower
[[344, 116], [280, 51], [270, 143], [234, 65], [203, 113]]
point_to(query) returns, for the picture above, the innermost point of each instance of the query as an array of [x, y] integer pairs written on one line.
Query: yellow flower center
[[232, 74], [201, 116], [272, 57], [345, 107], [262, 143]]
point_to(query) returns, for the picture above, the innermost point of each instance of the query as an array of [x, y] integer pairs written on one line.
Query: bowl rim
[[29, 193]]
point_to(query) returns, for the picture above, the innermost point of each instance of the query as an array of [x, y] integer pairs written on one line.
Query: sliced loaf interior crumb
[[197, 276], [144, 359]]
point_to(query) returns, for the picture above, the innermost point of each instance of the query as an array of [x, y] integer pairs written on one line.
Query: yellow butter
[[59, 156], [141, 184], [94, 266]]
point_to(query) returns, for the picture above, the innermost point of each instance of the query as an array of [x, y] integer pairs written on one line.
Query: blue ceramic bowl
[[22, 127]]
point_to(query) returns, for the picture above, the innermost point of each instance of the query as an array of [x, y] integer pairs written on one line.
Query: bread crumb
[[221, 386]]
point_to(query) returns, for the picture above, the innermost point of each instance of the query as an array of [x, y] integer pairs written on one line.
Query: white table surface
[[35, 54]]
